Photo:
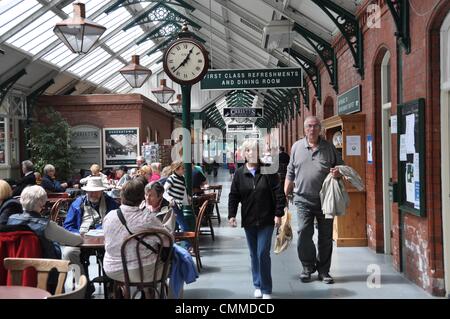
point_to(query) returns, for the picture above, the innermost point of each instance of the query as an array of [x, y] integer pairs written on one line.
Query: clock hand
[[185, 59]]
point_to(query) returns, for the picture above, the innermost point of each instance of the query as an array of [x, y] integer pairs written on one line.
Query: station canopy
[[237, 34]]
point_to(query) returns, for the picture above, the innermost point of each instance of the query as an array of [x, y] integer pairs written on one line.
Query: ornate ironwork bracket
[[163, 45], [305, 94], [164, 30], [348, 24], [160, 12], [32, 97], [123, 3], [324, 50], [400, 12], [310, 69], [7, 85]]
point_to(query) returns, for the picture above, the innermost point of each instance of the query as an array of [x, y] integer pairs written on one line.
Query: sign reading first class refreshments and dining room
[[242, 112], [350, 101], [252, 79]]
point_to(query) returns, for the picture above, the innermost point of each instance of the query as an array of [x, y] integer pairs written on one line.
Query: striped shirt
[[176, 187]]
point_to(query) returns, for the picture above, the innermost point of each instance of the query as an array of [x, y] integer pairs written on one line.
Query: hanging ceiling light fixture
[[163, 93], [78, 33], [134, 73], [177, 104]]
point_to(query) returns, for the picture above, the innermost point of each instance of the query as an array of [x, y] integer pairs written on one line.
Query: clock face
[[186, 61], [337, 139]]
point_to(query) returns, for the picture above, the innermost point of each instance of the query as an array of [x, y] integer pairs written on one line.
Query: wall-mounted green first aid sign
[[252, 79]]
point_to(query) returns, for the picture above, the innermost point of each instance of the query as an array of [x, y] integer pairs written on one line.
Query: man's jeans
[[306, 248], [259, 241]]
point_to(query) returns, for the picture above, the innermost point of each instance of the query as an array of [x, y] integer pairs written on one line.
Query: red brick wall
[[113, 110], [421, 238]]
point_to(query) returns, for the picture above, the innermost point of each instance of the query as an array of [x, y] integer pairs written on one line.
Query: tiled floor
[[226, 268], [227, 274]]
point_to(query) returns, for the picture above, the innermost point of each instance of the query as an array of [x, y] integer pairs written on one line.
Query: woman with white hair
[[262, 206], [33, 200], [49, 182]]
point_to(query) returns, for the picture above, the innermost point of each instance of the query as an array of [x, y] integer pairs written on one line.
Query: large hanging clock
[[186, 60]]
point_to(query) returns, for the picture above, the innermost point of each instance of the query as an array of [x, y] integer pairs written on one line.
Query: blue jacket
[[75, 213], [183, 269], [51, 185], [38, 225]]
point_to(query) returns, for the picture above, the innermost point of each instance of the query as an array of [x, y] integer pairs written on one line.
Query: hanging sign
[[252, 79], [242, 112], [350, 101], [240, 127]]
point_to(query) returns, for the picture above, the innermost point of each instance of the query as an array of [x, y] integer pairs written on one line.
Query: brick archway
[[433, 163], [375, 217]]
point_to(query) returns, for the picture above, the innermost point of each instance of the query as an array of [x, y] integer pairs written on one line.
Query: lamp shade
[[78, 33], [134, 73], [177, 105], [163, 93]]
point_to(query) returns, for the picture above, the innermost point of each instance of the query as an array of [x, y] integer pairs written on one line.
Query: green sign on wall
[[350, 101], [252, 79]]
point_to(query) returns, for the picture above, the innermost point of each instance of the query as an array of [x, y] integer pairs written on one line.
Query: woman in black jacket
[[262, 206]]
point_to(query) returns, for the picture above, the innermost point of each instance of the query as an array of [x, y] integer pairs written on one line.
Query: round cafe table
[[22, 292]]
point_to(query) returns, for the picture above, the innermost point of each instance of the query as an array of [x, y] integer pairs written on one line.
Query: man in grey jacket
[[312, 159]]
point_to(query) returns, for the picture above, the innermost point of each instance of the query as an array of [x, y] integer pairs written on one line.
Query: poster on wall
[[369, 149], [120, 146]]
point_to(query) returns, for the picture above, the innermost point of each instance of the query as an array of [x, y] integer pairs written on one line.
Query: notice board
[[411, 157]]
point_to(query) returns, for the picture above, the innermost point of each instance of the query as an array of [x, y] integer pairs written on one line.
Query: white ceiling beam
[[300, 18], [18, 27], [236, 29]]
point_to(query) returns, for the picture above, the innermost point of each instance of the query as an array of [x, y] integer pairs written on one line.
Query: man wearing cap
[[87, 212]]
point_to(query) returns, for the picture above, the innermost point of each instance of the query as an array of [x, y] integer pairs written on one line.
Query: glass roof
[[13, 12], [101, 65]]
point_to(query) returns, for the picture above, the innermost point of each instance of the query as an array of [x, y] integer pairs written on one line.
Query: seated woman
[[156, 203], [115, 233], [96, 171], [8, 205], [51, 235], [156, 171], [49, 182]]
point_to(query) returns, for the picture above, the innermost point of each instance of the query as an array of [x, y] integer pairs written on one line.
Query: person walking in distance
[[312, 159]]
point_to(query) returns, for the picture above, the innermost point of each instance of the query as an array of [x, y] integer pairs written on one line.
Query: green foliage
[[50, 142]]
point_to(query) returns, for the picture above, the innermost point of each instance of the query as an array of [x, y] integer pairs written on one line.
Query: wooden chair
[[192, 237], [43, 268], [157, 288], [59, 210], [216, 189], [78, 293], [197, 203]]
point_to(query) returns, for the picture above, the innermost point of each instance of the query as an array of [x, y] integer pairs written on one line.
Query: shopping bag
[[284, 233]]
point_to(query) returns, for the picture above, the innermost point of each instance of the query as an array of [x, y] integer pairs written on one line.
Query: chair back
[[59, 210], [217, 189], [78, 293], [155, 286], [200, 216], [43, 268], [57, 195]]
